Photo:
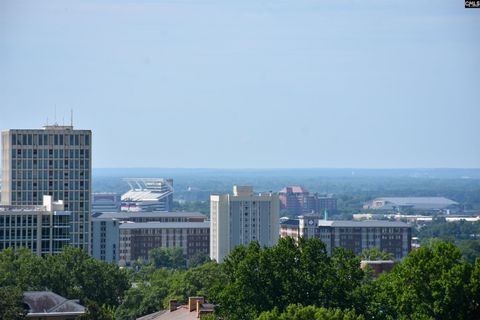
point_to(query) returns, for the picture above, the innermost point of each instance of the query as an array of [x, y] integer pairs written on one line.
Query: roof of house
[[290, 222], [294, 189], [42, 303], [182, 313]]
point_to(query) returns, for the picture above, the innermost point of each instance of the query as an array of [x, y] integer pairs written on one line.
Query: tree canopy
[[71, 274], [261, 279], [291, 280]]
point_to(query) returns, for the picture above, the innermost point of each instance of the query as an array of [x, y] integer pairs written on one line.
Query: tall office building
[[56, 161], [239, 218]]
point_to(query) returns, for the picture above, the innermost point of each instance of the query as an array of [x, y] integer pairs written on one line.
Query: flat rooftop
[[365, 223], [164, 225], [412, 201], [147, 214]]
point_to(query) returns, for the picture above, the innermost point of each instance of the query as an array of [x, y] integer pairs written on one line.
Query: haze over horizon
[[249, 84]]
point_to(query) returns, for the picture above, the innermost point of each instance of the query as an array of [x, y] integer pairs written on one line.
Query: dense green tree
[[22, 268], [96, 312], [11, 306], [198, 259], [459, 230], [375, 254], [167, 258], [260, 279], [433, 282], [196, 281], [73, 274], [474, 287], [146, 296], [299, 312], [470, 249], [347, 278]]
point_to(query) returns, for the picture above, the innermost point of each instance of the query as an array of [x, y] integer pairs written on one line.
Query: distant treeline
[[352, 186]]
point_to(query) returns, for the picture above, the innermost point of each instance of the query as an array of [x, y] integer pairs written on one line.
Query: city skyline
[[282, 84]]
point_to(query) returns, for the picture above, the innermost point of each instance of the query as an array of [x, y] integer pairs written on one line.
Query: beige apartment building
[[241, 217]]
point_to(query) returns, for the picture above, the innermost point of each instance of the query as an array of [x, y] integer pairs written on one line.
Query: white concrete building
[[44, 229], [241, 217]]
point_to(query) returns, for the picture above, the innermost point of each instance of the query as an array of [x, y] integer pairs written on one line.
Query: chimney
[[199, 305], [192, 303], [173, 305]]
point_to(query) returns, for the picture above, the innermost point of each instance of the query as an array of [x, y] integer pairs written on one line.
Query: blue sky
[[249, 84]]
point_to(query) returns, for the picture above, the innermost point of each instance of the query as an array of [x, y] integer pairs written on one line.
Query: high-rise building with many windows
[[43, 229], [242, 217], [56, 161]]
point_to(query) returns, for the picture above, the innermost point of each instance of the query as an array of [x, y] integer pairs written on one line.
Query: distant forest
[[351, 186]]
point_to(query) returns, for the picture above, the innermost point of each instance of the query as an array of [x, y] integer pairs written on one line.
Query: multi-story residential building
[[293, 200], [106, 237], [56, 161], [320, 204], [137, 239], [148, 194], [289, 228], [43, 229], [297, 200], [106, 202], [391, 236], [241, 217]]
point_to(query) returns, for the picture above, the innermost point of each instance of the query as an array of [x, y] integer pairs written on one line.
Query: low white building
[[412, 203]]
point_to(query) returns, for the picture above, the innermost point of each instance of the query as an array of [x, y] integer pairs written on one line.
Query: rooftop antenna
[[71, 118], [326, 214], [47, 121]]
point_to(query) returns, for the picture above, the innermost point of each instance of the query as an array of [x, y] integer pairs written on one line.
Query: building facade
[[391, 236], [137, 239], [43, 229], [241, 217], [106, 202], [106, 237], [105, 240], [293, 199], [53, 161], [296, 200]]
